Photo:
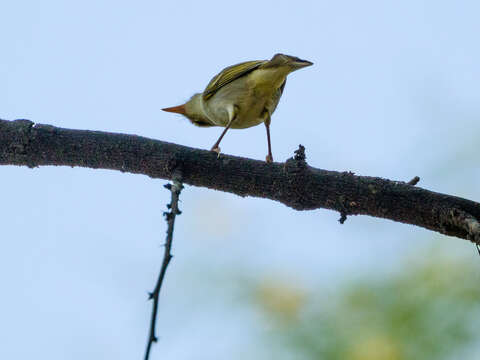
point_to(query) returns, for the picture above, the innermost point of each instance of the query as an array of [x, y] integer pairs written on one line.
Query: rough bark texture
[[292, 183]]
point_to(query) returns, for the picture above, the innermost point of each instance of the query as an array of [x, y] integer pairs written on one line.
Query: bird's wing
[[230, 74]]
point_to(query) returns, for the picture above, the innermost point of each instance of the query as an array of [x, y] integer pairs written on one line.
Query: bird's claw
[[216, 149]]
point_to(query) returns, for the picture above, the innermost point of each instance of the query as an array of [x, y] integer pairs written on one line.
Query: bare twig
[[414, 181], [175, 189]]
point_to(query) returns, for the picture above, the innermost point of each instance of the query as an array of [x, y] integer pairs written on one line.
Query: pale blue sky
[[393, 93]]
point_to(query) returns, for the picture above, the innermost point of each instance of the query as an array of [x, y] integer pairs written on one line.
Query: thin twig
[[175, 189], [414, 181]]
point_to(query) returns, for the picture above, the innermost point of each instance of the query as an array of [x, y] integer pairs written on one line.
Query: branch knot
[[297, 163]]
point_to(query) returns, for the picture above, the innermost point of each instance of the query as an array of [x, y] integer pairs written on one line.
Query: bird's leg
[[269, 157], [215, 146], [233, 116]]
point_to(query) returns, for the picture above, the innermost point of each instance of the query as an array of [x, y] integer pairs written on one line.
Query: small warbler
[[241, 96]]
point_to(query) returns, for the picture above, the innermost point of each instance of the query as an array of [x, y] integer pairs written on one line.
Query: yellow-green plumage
[[242, 95], [228, 75]]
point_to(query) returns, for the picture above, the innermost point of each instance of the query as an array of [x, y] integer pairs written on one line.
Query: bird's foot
[[216, 149], [269, 158]]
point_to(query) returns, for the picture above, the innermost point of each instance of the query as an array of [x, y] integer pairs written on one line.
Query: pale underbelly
[[246, 121], [246, 117]]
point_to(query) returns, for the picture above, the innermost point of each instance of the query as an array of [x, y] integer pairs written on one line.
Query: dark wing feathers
[[230, 74]]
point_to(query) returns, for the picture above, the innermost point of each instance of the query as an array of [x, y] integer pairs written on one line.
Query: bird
[[241, 96]]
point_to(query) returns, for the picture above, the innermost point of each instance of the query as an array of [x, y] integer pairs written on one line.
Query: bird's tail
[[180, 109]]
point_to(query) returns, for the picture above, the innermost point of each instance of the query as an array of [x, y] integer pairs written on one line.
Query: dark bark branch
[[292, 183]]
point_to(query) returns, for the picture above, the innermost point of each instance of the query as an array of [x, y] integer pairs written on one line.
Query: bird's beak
[[299, 63]]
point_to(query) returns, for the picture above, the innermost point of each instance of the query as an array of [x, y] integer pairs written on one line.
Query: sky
[[393, 93]]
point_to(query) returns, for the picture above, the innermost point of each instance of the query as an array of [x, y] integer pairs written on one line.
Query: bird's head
[[292, 62]]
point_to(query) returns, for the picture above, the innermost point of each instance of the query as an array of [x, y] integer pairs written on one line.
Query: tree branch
[[292, 183]]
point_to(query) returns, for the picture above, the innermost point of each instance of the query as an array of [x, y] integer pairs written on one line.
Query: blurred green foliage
[[428, 309]]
